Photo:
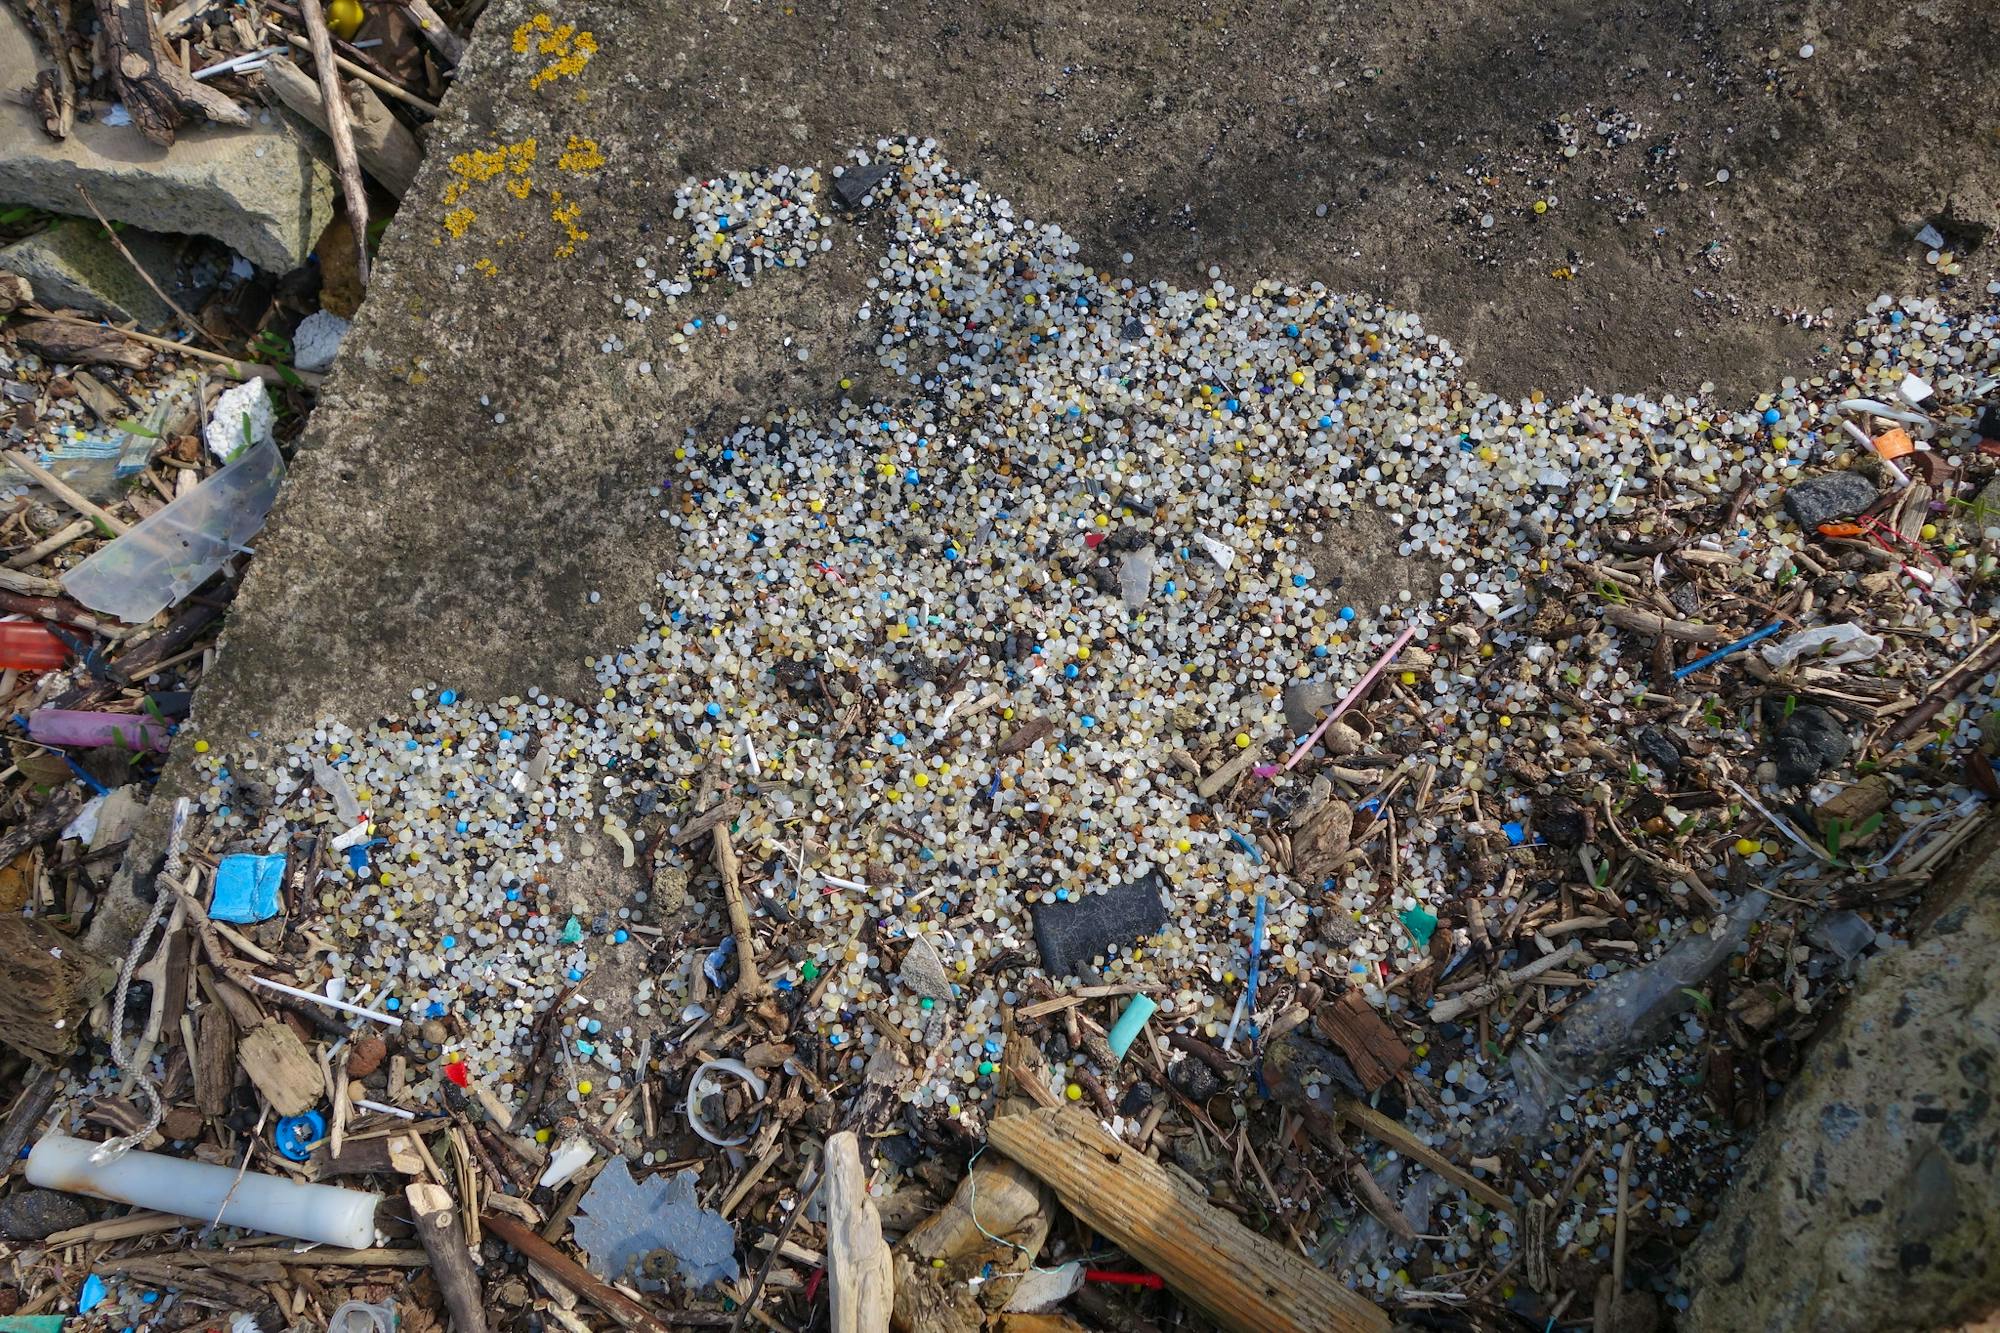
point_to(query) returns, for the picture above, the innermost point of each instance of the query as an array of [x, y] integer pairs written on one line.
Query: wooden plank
[[1369, 1043], [1214, 1262], [860, 1278]]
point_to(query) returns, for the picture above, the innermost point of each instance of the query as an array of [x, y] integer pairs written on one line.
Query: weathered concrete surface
[[423, 537], [258, 189], [73, 265], [1871, 1201]]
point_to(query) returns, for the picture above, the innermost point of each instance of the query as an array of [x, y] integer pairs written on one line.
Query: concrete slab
[[478, 464], [73, 266], [259, 190]]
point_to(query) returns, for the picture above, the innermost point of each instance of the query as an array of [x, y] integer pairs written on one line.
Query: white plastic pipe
[[325, 1214]]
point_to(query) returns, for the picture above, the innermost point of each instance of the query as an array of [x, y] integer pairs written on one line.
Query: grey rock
[[258, 189], [1829, 496], [1306, 701], [1871, 1198], [923, 971], [72, 265], [38, 1214]]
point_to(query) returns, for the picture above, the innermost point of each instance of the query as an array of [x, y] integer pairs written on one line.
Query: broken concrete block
[[74, 266], [1070, 934], [258, 189]]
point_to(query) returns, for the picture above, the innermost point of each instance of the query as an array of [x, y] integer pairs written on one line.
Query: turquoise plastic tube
[[1126, 1029]]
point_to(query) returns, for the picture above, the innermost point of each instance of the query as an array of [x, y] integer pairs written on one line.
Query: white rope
[[163, 892]]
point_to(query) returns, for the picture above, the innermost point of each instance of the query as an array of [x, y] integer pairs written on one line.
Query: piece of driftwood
[[860, 1278], [339, 128], [54, 95], [1398, 1136], [15, 292], [436, 1215], [628, 1313], [749, 983], [24, 1119], [1234, 1276], [214, 1060], [82, 344], [41, 820], [281, 1067], [436, 31], [159, 94], [391, 1153], [388, 151], [1360, 1033], [51, 981], [938, 1256]]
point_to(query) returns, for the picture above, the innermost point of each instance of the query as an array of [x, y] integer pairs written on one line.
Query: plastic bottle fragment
[[327, 780], [1828, 645], [86, 730], [255, 1201], [27, 646], [361, 1317], [173, 552], [1130, 1024]]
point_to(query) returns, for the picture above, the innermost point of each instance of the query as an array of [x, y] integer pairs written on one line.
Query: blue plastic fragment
[[91, 1295], [247, 888], [1515, 833]]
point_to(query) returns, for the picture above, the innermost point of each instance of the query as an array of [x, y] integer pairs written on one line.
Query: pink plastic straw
[[1360, 688]]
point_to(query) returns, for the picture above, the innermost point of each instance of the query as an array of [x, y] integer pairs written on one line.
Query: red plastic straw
[[1152, 1280]]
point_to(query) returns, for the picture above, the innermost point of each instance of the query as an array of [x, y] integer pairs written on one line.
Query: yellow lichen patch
[[565, 216], [483, 164], [572, 49], [580, 154], [478, 165], [485, 267]]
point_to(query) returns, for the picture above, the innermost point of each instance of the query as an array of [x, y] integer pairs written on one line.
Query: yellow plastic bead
[[1409, 677], [1298, 377], [921, 779], [541, 1136], [1541, 206], [1083, 652], [201, 747], [1242, 740], [815, 505], [583, 1088], [1928, 532], [1073, 1092], [1746, 847]]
